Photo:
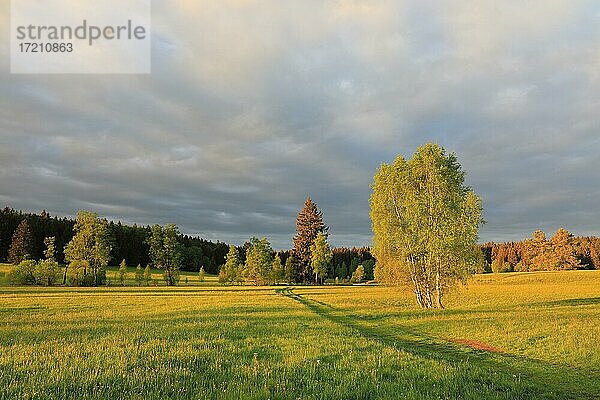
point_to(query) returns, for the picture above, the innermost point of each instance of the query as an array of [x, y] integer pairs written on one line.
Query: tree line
[[425, 224], [129, 243], [84, 247], [310, 261], [562, 251]]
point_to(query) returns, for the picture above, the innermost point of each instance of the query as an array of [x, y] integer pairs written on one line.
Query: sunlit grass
[[306, 342]]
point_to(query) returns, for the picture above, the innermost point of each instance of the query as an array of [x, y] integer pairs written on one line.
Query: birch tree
[[425, 224], [89, 248], [321, 256], [164, 251]]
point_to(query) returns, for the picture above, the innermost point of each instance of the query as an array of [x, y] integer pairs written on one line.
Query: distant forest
[[562, 251], [130, 243]]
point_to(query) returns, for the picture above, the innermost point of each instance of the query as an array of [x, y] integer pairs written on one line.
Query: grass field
[[505, 336]]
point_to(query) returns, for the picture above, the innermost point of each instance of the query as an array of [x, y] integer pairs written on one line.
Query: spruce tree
[[139, 275], [309, 224], [21, 243], [147, 275], [276, 270], [231, 270], [342, 270], [122, 272], [564, 250], [288, 273]]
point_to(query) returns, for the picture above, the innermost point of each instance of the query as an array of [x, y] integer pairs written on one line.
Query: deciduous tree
[[358, 275], [89, 248], [47, 271], [23, 273], [164, 251], [321, 256], [259, 259], [425, 224]]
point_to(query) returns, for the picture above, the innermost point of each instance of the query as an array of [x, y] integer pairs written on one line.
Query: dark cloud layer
[[252, 106]]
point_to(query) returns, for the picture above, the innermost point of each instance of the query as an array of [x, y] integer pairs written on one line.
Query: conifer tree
[[539, 253], [21, 243], [309, 224], [231, 270], [564, 250], [277, 272], [139, 275], [147, 275], [122, 272], [289, 269], [341, 270]]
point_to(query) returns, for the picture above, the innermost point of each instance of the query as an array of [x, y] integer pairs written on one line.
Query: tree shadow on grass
[[571, 302], [544, 379]]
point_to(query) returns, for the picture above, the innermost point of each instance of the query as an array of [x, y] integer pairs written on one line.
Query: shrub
[[23, 273], [358, 275], [79, 273], [122, 272], [501, 266], [147, 275], [139, 275], [47, 272], [521, 267]]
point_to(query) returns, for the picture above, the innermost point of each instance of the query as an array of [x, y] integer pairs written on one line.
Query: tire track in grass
[[540, 375]]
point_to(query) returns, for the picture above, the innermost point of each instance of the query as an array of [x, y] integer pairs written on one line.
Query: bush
[[47, 272], [521, 267], [79, 274], [358, 275], [23, 273], [139, 275], [501, 266]]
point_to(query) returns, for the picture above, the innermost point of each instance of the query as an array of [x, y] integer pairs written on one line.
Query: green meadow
[[503, 336]]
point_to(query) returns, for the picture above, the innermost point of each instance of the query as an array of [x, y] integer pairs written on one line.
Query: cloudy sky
[[253, 105]]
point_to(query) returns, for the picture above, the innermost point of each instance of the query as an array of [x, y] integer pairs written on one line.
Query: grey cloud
[[251, 107]]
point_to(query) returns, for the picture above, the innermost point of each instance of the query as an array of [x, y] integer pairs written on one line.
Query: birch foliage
[[425, 224]]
